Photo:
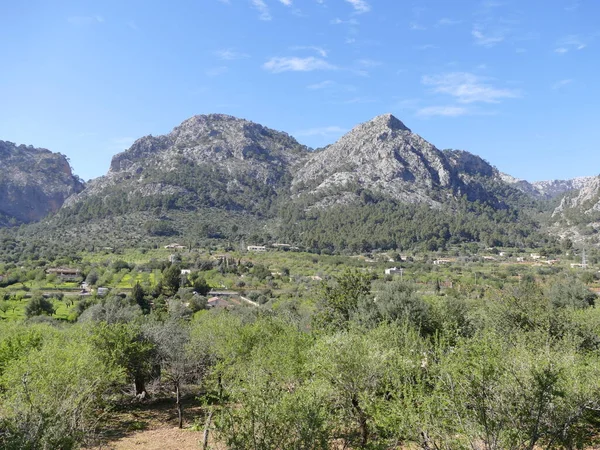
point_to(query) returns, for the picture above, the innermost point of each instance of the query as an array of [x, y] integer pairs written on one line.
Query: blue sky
[[515, 82]]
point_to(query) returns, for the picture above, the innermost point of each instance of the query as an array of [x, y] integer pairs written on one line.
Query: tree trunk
[[179, 405], [206, 430], [362, 423], [140, 385]]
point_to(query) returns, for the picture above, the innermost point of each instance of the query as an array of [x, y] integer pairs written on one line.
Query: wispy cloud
[[230, 55], [360, 6], [426, 47], [328, 131], [331, 86], [322, 85], [416, 26], [82, 21], [338, 21], [485, 39], [131, 24], [358, 100], [571, 42], [216, 71], [286, 2], [573, 5], [561, 83], [468, 88], [319, 50], [262, 8], [445, 111], [294, 64], [368, 63], [445, 21]]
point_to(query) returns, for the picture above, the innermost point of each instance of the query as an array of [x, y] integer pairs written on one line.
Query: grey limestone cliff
[[33, 182]]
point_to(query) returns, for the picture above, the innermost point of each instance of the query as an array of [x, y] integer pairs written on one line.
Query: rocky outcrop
[[585, 200], [385, 156], [209, 160], [548, 189], [33, 182], [381, 155]]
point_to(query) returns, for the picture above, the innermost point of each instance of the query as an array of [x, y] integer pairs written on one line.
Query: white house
[[257, 248]]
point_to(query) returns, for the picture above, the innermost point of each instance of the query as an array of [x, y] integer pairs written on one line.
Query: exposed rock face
[[33, 182], [556, 188], [586, 200], [209, 159], [547, 189], [385, 156]]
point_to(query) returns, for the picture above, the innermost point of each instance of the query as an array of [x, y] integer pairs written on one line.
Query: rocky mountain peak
[[382, 155], [386, 121]]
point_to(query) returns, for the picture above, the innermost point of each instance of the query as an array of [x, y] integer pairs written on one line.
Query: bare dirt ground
[[153, 426]]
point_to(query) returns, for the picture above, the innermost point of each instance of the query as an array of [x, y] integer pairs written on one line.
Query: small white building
[[393, 271], [257, 248], [437, 262], [176, 246], [185, 271], [101, 291]]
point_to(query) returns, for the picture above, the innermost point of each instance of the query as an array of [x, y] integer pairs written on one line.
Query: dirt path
[[153, 426]]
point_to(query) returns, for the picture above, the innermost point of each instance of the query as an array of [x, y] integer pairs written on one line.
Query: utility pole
[[583, 260]]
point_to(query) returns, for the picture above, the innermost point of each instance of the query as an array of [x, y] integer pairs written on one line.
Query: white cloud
[[338, 21], [263, 9], [332, 86], [229, 54], [359, 100], [286, 2], [468, 88], [321, 85], [571, 42], [416, 26], [216, 71], [486, 40], [426, 47], [294, 64], [368, 63], [360, 6], [573, 6], [82, 21], [561, 83], [321, 131], [447, 21], [445, 111], [319, 50]]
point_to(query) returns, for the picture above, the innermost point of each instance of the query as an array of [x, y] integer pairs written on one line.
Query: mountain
[[220, 177], [549, 189], [207, 161], [33, 183], [386, 157]]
